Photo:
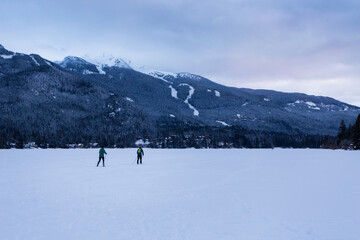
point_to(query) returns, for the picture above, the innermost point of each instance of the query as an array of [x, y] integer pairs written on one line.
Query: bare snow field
[[236, 194]]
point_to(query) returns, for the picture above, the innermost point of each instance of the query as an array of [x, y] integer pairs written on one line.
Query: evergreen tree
[[356, 134], [342, 132], [349, 131]]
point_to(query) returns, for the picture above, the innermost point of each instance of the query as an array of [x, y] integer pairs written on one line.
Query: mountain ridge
[[169, 75], [136, 105]]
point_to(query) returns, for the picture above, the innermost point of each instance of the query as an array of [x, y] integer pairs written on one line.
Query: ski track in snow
[[223, 123], [86, 71], [129, 99], [99, 68], [36, 62], [7, 56], [232, 194], [173, 92], [191, 92]]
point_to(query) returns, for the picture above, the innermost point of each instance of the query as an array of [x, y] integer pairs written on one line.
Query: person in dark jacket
[[140, 153], [101, 156]]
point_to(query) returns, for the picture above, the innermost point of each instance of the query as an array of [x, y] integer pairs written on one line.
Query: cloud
[[277, 43]]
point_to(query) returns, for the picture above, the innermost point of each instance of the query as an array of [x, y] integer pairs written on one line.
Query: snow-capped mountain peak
[[72, 60], [189, 75], [109, 61], [106, 61], [79, 65], [122, 63], [92, 65]]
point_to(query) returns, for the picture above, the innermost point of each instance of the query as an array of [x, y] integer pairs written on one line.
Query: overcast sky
[[305, 46]]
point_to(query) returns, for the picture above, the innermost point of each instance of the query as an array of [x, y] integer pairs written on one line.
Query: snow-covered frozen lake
[[279, 194]]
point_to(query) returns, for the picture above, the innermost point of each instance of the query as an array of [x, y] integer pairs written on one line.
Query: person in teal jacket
[[101, 156]]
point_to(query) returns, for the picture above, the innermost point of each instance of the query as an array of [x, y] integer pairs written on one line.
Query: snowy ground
[[180, 194]]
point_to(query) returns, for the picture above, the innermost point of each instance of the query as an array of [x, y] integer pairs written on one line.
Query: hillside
[[75, 101]]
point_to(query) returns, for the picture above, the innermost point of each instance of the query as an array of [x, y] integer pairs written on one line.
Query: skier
[[140, 153], [101, 156]]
